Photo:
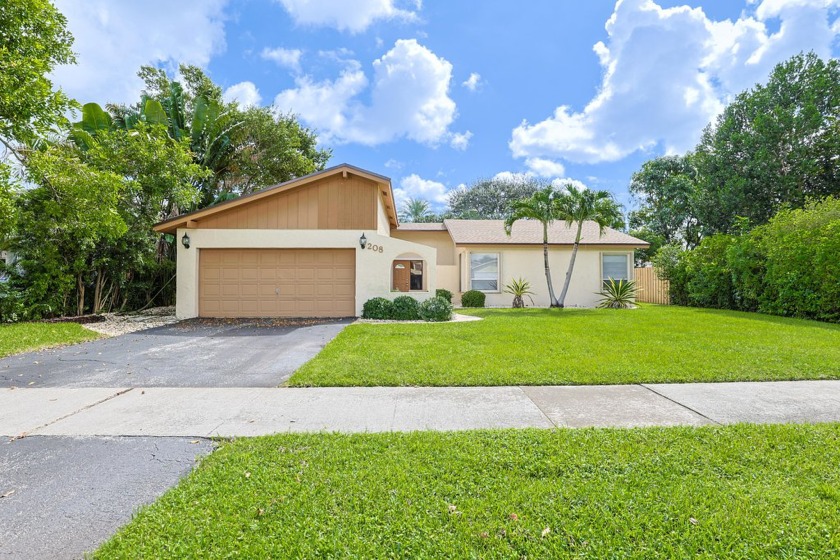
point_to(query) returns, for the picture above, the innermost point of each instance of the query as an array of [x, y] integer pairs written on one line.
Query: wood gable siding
[[332, 203]]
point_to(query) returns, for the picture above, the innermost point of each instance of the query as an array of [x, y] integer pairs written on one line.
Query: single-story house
[[323, 244]]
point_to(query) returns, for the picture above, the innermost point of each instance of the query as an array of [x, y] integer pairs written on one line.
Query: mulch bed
[[81, 319]]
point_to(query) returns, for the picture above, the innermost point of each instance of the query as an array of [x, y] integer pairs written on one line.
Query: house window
[[484, 272], [614, 266]]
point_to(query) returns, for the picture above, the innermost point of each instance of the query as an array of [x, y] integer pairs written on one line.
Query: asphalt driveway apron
[[187, 354]]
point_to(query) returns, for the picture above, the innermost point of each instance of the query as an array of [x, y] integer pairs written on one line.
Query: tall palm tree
[[415, 210], [541, 207], [578, 205]]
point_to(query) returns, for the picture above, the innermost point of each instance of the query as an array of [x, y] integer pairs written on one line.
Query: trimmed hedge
[[445, 294], [436, 309], [378, 308], [405, 308], [473, 298]]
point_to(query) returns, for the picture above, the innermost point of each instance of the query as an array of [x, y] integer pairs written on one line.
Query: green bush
[[405, 308], [473, 298], [788, 266], [435, 309], [378, 308], [445, 294]]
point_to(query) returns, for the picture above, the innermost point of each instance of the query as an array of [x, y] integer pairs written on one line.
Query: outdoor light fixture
[[363, 241], [185, 241]]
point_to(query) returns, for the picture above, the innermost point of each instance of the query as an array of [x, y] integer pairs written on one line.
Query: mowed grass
[[741, 491], [579, 346], [25, 337]]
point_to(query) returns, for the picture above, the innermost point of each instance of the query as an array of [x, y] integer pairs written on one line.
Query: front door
[[402, 276]]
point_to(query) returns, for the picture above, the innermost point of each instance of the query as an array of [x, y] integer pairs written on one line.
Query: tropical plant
[[519, 288], [415, 210], [473, 298], [578, 205], [541, 207], [618, 294]]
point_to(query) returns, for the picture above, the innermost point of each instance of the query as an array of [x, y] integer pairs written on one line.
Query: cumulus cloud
[[669, 71], [409, 98], [414, 186], [286, 58], [545, 167], [355, 16], [472, 82], [460, 140], [245, 94], [113, 39]]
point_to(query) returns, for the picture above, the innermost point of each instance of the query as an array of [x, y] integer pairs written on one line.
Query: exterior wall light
[[363, 241], [185, 241]]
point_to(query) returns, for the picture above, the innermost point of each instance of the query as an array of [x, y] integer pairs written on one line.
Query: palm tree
[[542, 207], [415, 210], [578, 205]]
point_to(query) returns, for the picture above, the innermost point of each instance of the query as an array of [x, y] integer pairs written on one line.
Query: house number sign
[[376, 248]]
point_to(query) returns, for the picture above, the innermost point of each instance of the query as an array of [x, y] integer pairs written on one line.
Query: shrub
[[378, 308], [617, 295], [435, 309], [405, 308], [473, 298], [445, 294]]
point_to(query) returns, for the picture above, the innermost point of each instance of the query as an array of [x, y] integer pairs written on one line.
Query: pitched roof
[[417, 226], [170, 225], [529, 232]]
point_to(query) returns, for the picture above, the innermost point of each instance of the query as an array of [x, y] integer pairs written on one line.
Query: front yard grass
[[741, 491], [25, 337], [651, 344]]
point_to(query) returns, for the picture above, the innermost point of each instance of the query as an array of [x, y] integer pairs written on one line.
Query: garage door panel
[[246, 282]]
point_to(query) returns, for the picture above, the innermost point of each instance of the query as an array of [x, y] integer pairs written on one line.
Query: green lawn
[[24, 337], [579, 346], [725, 492]]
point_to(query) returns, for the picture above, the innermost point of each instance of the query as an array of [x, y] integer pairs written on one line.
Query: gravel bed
[[115, 324], [456, 318]]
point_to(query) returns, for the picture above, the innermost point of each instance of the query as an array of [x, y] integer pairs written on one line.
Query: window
[[484, 272], [614, 266]]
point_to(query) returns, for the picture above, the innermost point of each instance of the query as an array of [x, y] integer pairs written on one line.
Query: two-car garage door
[[277, 283]]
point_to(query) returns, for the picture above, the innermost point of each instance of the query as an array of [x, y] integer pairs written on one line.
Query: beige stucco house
[[323, 244]]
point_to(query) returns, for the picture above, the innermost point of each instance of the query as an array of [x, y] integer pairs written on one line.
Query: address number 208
[[375, 247]]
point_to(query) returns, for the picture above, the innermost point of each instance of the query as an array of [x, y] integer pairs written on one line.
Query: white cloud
[[244, 93], [113, 39], [669, 71], [286, 58], [514, 176], [472, 82], [355, 16], [560, 183], [415, 186], [394, 164], [460, 140], [409, 98], [545, 167]]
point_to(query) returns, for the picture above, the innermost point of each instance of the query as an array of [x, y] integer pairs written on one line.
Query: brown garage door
[[277, 283]]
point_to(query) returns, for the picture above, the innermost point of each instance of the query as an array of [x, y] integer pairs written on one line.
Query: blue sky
[[439, 93]]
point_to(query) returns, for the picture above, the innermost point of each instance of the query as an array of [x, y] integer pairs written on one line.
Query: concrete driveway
[[186, 354]]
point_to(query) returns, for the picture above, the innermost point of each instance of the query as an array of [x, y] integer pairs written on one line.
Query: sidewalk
[[227, 412]]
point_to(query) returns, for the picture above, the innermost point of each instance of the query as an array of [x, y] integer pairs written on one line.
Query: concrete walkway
[[203, 412]]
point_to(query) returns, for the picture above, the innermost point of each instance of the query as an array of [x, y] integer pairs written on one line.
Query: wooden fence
[[649, 288]]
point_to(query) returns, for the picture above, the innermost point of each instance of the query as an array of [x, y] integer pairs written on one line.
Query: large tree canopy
[[491, 199]]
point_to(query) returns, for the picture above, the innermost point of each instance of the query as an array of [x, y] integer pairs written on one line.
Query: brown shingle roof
[[529, 232], [415, 226]]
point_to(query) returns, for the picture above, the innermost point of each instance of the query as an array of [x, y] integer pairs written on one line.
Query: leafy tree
[[33, 41], [490, 199], [415, 210], [7, 204], [656, 241], [666, 188], [576, 206], [774, 145], [542, 207]]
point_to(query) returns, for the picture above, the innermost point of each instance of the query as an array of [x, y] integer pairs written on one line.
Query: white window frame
[[498, 255], [628, 258]]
